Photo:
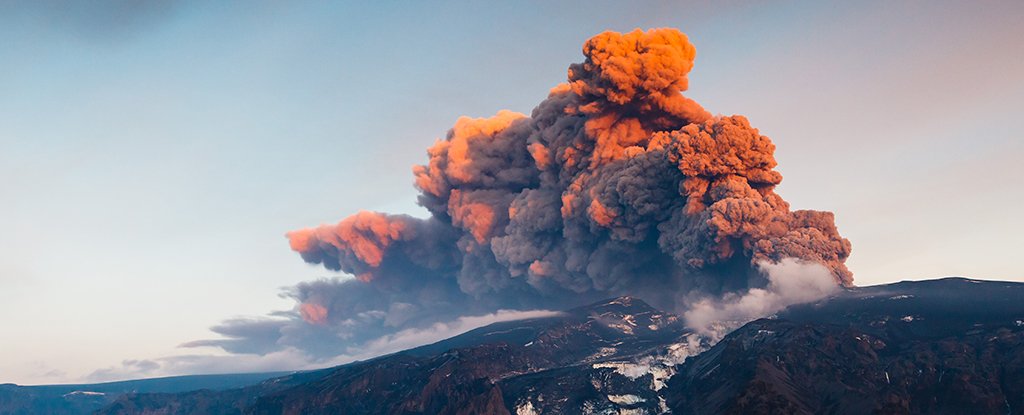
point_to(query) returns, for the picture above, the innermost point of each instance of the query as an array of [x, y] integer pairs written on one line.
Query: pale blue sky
[[151, 158]]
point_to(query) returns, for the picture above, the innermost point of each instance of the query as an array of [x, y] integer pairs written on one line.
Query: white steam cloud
[[790, 281]]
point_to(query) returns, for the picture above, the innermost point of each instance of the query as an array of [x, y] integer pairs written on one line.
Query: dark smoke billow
[[616, 184]]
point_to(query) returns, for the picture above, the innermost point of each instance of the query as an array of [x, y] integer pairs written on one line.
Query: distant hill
[[73, 399]]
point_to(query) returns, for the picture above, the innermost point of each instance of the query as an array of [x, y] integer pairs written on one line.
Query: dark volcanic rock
[[479, 371], [950, 346]]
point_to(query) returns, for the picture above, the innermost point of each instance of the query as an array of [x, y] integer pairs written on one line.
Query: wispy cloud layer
[[251, 355]]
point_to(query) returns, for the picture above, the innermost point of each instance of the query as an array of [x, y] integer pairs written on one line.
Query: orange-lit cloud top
[[313, 313], [615, 184], [358, 239]]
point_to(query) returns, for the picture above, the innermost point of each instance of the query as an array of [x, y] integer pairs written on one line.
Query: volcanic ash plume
[[616, 184]]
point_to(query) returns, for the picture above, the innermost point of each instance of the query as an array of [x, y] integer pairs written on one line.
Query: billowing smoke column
[[616, 184]]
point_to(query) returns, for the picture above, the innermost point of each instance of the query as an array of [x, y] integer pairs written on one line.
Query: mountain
[[207, 401], [87, 398], [480, 371], [491, 369], [950, 346], [942, 346]]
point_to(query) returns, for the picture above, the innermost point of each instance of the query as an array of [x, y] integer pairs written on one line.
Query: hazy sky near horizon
[[153, 155]]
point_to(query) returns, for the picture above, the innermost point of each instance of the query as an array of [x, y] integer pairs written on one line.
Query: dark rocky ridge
[[950, 346], [467, 374], [942, 346]]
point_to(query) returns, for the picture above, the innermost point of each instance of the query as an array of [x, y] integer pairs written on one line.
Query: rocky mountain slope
[[500, 368], [951, 346], [942, 346]]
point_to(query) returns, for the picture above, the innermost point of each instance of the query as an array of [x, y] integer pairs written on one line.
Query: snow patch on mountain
[[661, 367]]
